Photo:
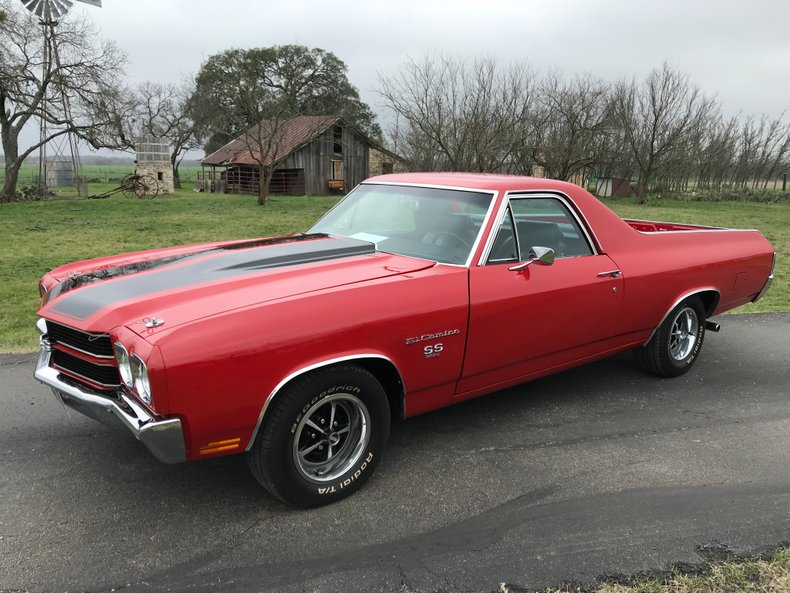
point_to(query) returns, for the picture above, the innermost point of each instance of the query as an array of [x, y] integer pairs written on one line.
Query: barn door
[[337, 169]]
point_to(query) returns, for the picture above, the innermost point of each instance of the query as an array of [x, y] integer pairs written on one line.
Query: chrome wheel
[[331, 437], [683, 334]]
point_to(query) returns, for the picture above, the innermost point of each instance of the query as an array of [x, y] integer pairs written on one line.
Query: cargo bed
[[649, 226]]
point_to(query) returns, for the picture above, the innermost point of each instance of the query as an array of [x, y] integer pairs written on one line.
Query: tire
[[676, 344], [302, 463]]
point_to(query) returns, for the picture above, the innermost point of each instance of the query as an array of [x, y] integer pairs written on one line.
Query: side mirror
[[542, 256]]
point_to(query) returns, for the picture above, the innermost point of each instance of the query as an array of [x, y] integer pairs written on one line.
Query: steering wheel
[[437, 239]]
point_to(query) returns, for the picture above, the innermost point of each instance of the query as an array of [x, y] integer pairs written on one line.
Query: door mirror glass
[[541, 256]]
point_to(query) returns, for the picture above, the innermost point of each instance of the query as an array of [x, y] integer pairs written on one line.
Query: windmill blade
[[59, 7], [48, 9], [96, 3]]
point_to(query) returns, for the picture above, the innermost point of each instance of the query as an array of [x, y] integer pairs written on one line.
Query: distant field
[[38, 236], [98, 175]]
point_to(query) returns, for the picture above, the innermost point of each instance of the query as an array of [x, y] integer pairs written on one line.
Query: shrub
[[736, 194]]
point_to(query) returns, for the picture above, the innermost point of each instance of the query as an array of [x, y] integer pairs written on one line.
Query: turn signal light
[[218, 446]]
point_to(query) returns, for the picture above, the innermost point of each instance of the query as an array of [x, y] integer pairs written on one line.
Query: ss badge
[[433, 351]]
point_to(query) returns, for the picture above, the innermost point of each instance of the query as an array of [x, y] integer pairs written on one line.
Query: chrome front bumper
[[163, 438]]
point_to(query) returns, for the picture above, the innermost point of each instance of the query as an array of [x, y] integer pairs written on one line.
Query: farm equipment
[[134, 185]]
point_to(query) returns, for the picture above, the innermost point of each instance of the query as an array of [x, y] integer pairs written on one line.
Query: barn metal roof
[[289, 136]]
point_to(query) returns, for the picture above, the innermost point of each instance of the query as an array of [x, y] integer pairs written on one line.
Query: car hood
[[167, 288]]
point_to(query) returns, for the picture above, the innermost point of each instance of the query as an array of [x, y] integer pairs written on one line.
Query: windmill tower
[[64, 166]]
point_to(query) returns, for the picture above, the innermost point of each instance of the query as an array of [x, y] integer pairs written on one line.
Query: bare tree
[[712, 152], [83, 75], [164, 111], [572, 122], [656, 118], [764, 144], [459, 116], [452, 114]]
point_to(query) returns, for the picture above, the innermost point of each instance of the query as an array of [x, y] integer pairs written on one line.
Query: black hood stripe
[[234, 260], [143, 266]]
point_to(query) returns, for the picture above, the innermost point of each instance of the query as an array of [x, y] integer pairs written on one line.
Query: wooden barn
[[314, 155]]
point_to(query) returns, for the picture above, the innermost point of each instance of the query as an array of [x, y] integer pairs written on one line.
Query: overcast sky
[[738, 50]]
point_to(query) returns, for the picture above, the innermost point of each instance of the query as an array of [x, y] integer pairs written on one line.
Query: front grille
[[94, 344], [102, 374]]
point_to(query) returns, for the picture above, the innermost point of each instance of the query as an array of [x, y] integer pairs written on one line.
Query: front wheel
[[676, 343], [322, 436]]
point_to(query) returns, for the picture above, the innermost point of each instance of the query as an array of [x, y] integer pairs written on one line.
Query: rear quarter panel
[[660, 268]]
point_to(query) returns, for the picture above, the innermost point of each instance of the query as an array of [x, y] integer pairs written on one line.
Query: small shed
[[313, 155], [613, 187], [383, 162], [60, 173], [152, 158]]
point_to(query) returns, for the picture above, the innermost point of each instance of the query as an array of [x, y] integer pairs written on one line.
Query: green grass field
[[100, 177], [38, 236]]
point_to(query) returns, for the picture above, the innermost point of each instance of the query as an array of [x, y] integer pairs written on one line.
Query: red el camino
[[415, 292]]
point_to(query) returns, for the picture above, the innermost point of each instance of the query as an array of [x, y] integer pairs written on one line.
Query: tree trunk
[[12, 164], [641, 190], [8, 193], [176, 175], [263, 185]]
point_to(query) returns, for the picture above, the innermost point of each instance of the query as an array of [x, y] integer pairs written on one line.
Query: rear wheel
[[677, 342], [322, 436]]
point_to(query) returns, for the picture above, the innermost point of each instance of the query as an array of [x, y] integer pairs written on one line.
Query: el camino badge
[[426, 337], [432, 350]]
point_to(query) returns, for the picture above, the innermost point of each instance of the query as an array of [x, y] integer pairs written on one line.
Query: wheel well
[[708, 297], [383, 369], [710, 300], [389, 377]]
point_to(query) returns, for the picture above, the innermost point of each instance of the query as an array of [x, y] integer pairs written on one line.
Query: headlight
[[140, 375], [122, 358]]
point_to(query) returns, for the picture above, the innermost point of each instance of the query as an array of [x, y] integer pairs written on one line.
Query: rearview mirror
[[542, 256]]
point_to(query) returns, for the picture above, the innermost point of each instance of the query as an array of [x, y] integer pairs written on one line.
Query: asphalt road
[[595, 471]]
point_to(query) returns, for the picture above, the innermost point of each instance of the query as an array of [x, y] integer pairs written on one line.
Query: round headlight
[[124, 367], [140, 375]]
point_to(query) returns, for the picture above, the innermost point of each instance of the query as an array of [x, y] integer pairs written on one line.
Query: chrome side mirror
[[542, 256]]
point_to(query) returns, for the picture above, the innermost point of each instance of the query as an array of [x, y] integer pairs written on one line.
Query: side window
[[546, 222], [504, 248]]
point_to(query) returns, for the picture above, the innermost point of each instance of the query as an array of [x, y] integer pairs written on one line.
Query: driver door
[[526, 321]]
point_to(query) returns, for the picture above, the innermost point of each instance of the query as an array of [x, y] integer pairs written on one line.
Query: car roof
[[482, 181]]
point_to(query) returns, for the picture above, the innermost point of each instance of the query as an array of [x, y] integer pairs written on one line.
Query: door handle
[[611, 273]]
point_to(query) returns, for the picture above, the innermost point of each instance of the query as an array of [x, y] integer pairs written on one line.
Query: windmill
[[65, 147]]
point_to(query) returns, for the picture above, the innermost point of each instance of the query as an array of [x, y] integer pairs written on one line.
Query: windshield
[[436, 224]]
